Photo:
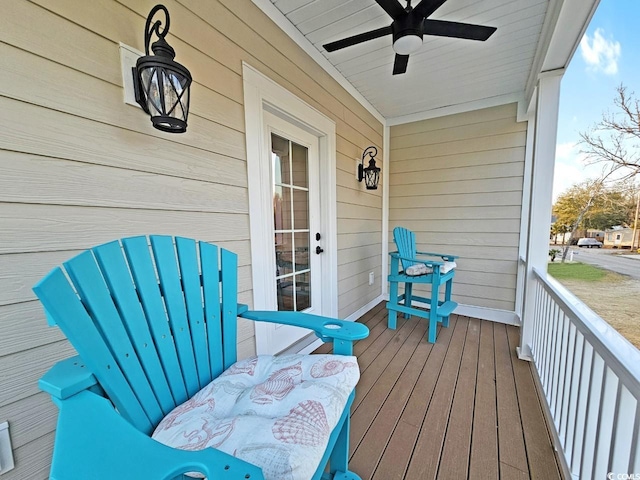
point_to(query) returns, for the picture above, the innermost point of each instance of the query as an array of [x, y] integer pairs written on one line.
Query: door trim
[[263, 94]]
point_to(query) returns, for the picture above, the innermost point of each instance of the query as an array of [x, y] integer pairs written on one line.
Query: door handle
[[319, 250]]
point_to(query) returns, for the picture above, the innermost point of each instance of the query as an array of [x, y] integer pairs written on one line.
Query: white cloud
[[571, 168], [565, 151], [600, 53]]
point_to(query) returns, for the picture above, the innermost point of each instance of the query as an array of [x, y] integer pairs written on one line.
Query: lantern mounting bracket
[[150, 29]]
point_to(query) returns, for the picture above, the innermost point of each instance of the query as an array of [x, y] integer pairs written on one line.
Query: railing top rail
[[617, 352]]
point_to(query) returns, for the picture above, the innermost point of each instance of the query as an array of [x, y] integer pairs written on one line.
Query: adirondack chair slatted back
[[406, 244], [154, 319]]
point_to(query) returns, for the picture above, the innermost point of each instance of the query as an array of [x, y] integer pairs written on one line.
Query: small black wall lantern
[[370, 174], [161, 84]]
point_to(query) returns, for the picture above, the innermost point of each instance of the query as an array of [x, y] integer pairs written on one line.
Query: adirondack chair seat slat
[[154, 323], [410, 267], [273, 412]]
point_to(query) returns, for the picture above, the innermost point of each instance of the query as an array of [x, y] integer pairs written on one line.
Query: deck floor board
[[464, 407], [484, 438]]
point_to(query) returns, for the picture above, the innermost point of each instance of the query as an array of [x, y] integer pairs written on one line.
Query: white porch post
[[540, 200], [386, 152]]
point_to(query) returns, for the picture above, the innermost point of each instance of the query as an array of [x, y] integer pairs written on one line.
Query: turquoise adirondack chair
[[156, 382], [417, 268]]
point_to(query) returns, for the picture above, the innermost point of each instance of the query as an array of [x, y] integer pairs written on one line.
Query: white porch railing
[[590, 376]]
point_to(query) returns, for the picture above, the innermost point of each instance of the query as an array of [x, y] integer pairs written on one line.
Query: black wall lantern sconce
[[370, 174], [162, 85]]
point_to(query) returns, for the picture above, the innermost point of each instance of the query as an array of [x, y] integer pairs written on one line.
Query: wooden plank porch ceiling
[[464, 407]]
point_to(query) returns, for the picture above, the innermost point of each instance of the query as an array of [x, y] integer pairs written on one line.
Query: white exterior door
[[291, 167], [294, 226]]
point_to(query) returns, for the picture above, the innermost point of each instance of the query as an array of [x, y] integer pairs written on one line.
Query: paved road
[[609, 259]]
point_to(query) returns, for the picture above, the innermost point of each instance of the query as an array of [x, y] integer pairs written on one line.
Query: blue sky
[[608, 55]]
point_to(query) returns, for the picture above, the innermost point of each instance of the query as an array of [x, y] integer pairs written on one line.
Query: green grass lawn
[[576, 271], [616, 298]]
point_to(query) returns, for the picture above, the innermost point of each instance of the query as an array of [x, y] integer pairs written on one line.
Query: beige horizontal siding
[[426, 200], [33, 460], [80, 167], [29, 418], [489, 157], [505, 140], [28, 181], [456, 181], [33, 228], [462, 241], [452, 187], [456, 213]]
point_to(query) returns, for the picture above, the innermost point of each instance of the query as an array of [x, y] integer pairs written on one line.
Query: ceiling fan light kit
[[407, 44], [409, 25]]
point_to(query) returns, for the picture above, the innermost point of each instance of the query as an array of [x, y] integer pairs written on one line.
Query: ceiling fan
[[409, 25]]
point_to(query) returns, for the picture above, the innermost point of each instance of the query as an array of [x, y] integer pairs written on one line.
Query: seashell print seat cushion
[[274, 412], [421, 269]]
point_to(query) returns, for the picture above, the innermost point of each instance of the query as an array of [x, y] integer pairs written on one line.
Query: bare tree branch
[[614, 140]]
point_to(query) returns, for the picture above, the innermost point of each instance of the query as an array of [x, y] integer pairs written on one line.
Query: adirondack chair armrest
[[428, 263], [341, 332], [242, 308], [444, 256], [68, 377], [98, 443]]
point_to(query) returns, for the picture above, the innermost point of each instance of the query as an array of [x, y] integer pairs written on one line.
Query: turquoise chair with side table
[[422, 268], [156, 390]]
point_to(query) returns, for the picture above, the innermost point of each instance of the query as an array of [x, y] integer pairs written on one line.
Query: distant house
[[593, 233], [620, 237], [563, 238]]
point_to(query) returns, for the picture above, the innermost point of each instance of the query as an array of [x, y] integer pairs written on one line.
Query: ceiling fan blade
[[400, 64], [443, 28], [392, 7], [354, 40], [427, 7]]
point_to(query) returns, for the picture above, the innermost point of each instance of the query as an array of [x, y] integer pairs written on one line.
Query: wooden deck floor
[[464, 407]]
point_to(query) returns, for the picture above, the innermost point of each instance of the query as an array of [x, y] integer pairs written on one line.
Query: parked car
[[589, 242]]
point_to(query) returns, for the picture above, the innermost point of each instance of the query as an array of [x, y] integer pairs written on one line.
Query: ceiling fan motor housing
[[407, 33]]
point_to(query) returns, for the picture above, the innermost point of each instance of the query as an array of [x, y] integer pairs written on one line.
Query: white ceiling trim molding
[[564, 26], [575, 16], [287, 27], [459, 108], [548, 27]]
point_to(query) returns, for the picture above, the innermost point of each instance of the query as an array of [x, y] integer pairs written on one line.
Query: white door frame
[[263, 94]]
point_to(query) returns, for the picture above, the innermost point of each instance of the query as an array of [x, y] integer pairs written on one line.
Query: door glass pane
[[303, 291], [302, 251], [285, 294], [301, 209], [291, 223], [280, 155], [282, 208], [284, 254], [299, 165]]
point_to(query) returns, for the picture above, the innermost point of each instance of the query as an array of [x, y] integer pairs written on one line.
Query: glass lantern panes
[[166, 95]]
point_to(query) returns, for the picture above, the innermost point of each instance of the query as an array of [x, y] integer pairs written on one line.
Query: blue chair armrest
[[66, 378], [445, 256], [242, 308], [342, 332], [94, 441], [428, 263]]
